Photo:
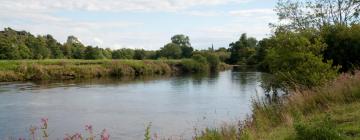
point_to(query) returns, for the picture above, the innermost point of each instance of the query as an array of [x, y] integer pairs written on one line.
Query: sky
[[147, 24]]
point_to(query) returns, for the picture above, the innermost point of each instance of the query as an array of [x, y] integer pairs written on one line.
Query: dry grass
[[301, 112]]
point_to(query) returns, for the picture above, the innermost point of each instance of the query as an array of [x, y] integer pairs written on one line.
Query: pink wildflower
[[105, 135], [44, 122], [89, 129]]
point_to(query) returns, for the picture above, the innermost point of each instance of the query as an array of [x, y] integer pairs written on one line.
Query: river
[[174, 105]]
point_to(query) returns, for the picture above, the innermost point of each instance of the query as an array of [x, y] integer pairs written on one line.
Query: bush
[[194, 66], [213, 61], [296, 61], [318, 130]]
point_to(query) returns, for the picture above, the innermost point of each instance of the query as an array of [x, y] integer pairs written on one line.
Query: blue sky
[[147, 24]]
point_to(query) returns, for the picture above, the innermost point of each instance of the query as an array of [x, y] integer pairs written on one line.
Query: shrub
[[317, 130], [296, 61], [213, 61]]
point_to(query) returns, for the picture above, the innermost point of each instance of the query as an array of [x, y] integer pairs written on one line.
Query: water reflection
[[174, 105]]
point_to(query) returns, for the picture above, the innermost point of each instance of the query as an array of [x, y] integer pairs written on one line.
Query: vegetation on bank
[[61, 69], [314, 42], [326, 113]]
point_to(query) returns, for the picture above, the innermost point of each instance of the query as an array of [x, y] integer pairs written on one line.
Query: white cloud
[[39, 17], [253, 12], [99, 41], [112, 5], [204, 13]]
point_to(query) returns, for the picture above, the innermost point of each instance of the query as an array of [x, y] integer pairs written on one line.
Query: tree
[[184, 43], [107, 53], [24, 51], [171, 51], [73, 48], [317, 13], [139, 54], [242, 49], [93, 53], [123, 53], [296, 62], [38, 47], [343, 46], [54, 47]]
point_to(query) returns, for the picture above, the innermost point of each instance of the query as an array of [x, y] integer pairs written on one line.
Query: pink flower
[[105, 135], [89, 128], [44, 122]]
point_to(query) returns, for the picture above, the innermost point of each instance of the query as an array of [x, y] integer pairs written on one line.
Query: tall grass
[[21, 70], [299, 115]]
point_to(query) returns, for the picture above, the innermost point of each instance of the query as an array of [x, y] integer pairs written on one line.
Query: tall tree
[[242, 49], [171, 50], [54, 47], [139, 54], [183, 42], [317, 13]]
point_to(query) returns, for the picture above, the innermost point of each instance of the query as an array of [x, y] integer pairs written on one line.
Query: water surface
[[174, 105]]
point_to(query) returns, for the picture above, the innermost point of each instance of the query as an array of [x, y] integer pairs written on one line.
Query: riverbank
[[329, 112], [63, 69]]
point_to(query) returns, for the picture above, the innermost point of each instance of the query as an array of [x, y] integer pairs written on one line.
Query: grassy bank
[[325, 113], [54, 69]]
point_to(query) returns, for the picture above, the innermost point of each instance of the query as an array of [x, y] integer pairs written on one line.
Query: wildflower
[[32, 132], [44, 122], [105, 135], [89, 129], [76, 136]]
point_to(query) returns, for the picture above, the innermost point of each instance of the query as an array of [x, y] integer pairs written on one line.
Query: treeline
[[23, 45], [317, 40]]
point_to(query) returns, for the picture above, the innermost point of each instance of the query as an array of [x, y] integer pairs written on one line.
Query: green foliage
[[93, 53], [343, 46], [59, 69], [194, 66], [323, 129], [199, 58], [179, 47], [171, 51], [147, 134], [213, 61], [183, 42], [54, 47], [139, 54], [123, 54], [297, 62], [242, 49], [300, 15]]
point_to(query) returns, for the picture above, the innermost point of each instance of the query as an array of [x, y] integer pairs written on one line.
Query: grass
[[330, 112], [60, 69]]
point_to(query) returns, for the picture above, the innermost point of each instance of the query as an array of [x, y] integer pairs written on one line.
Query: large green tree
[[296, 61], [242, 49], [54, 47], [123, 53], [171, 51], [343, 45], [183, 42], [299, 15]]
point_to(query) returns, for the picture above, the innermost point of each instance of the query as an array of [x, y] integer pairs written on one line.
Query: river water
[[174, 105]]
